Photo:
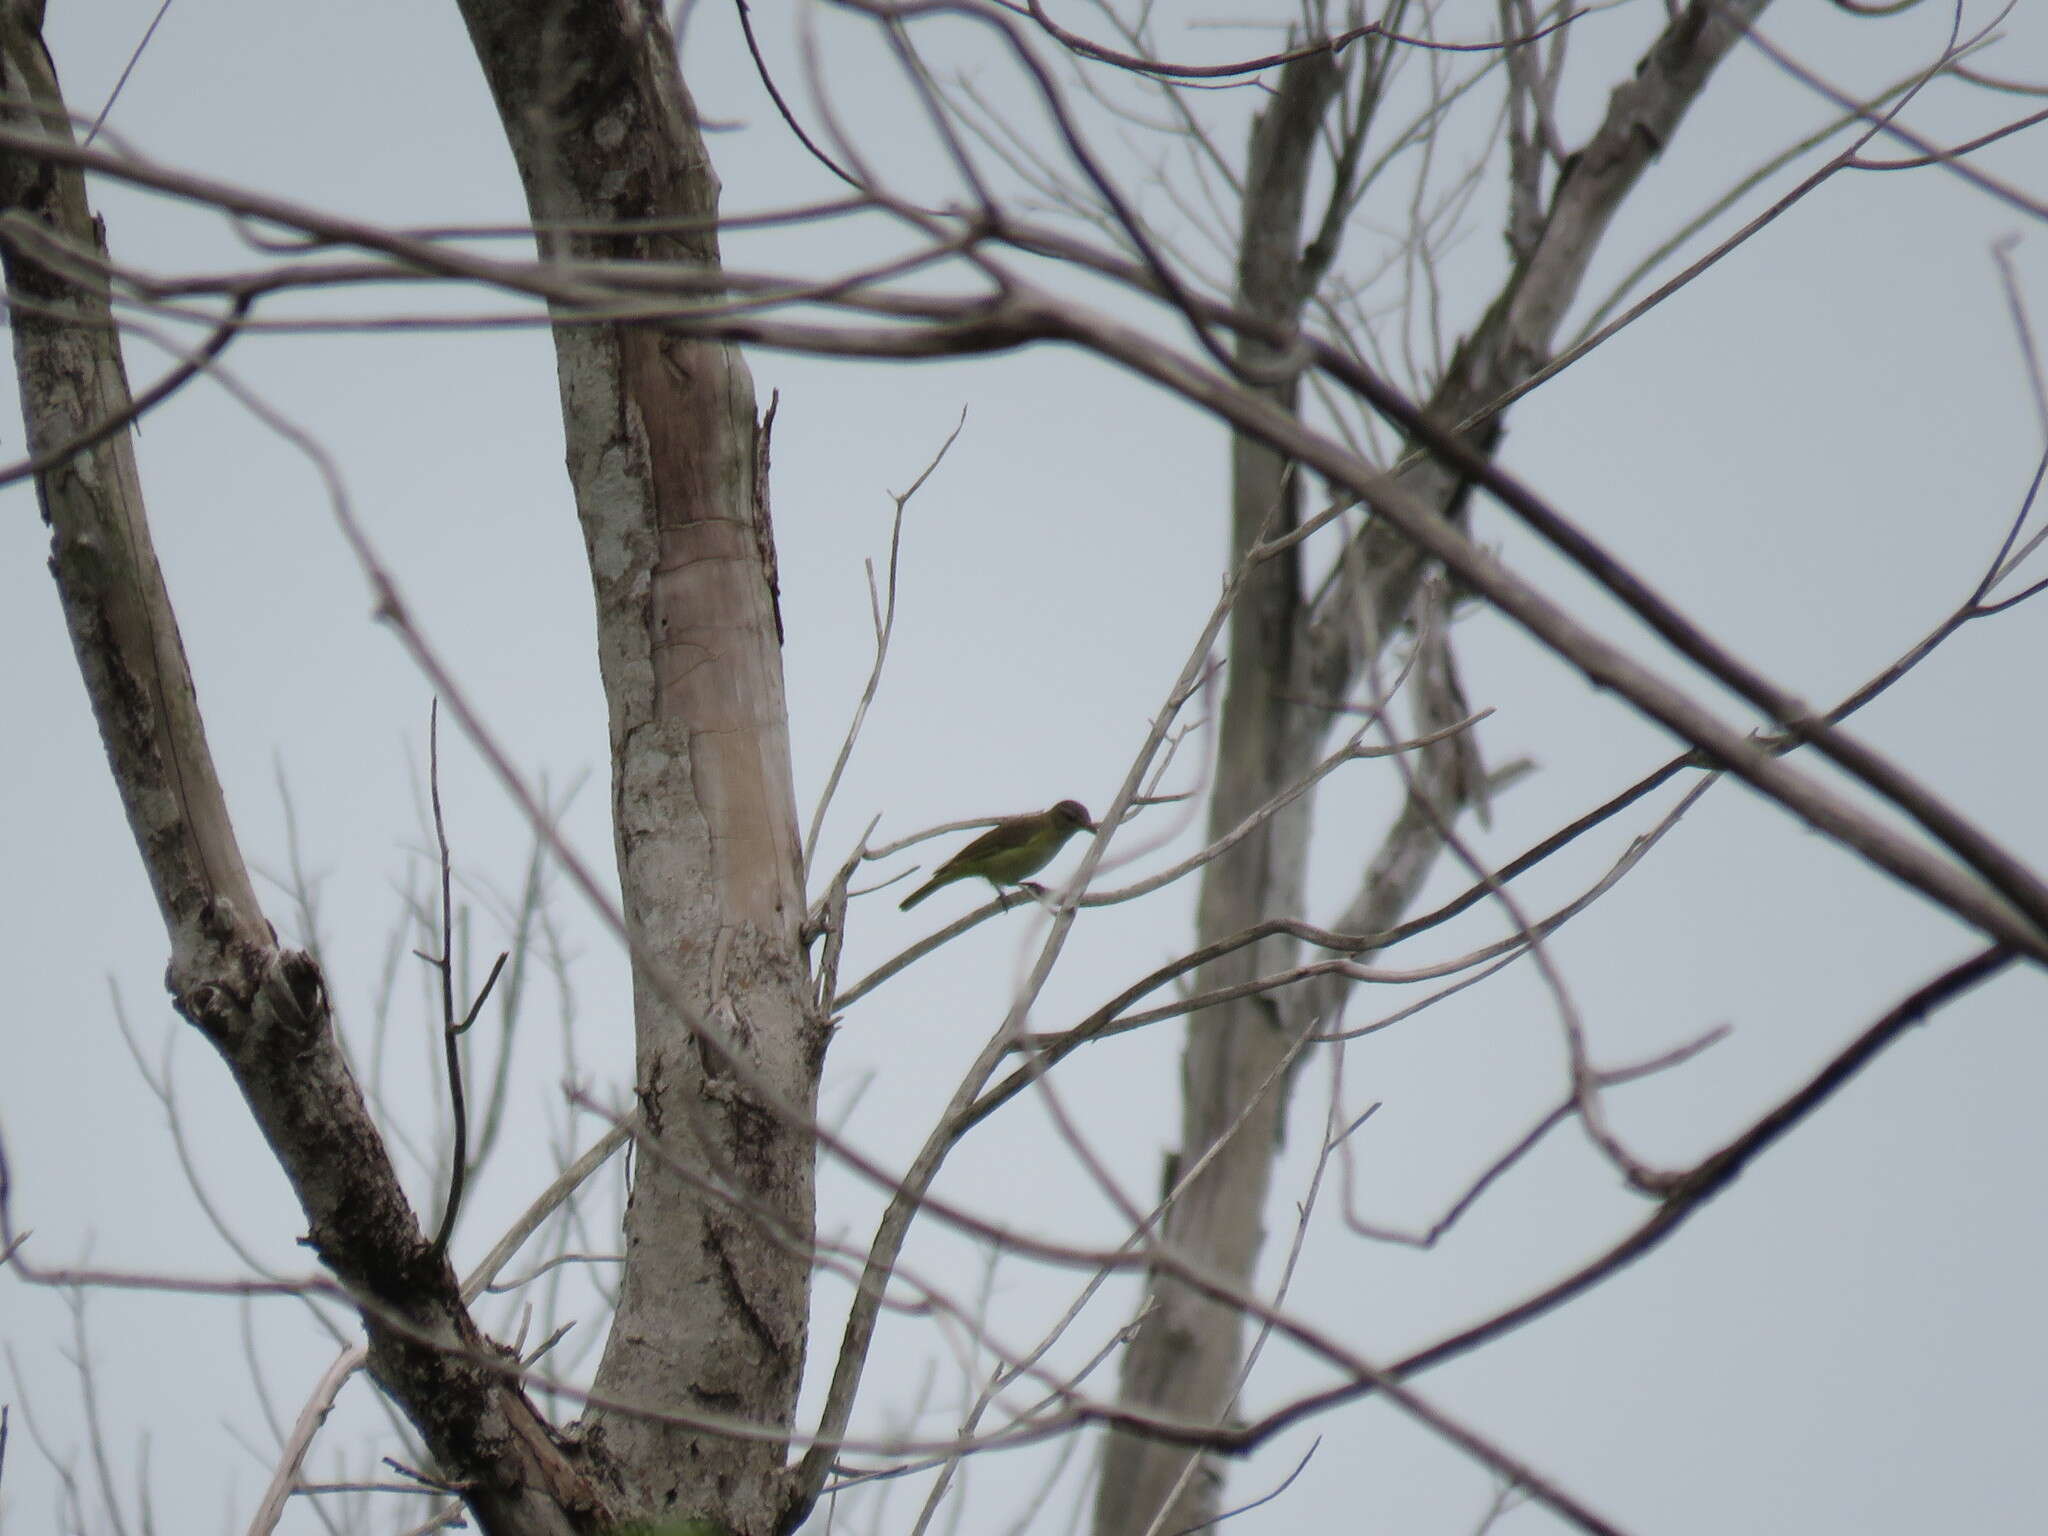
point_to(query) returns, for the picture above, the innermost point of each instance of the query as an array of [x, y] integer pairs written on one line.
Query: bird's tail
[[918, 895]]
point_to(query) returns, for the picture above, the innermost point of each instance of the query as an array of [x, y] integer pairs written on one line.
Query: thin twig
[[884, 615], [127, 69]]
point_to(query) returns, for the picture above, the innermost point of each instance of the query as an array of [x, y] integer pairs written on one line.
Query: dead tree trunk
[[1186, 1351], [262, 1006], [1287, 646], [663, 455]]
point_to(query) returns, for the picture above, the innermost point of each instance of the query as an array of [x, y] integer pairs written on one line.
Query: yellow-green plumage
[[1011, 851]]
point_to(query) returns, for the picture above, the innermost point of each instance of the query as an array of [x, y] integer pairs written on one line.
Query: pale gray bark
[[263, 1006], [1186, 1351], [1186, 1357], [662, 456]]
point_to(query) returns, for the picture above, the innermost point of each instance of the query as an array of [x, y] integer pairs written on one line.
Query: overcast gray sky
[[1813, 451]]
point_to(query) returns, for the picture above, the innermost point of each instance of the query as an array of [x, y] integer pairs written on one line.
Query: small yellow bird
[[1010, 851]]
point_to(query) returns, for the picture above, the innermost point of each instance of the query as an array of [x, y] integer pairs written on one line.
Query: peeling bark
[[663, 457]]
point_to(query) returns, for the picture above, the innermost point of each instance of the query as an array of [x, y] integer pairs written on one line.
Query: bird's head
[[1072, 816]]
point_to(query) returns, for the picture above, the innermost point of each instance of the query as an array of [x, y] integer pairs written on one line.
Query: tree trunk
[[663, 454], [262, 1006], [1186, 1356], [1186, 1353]]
